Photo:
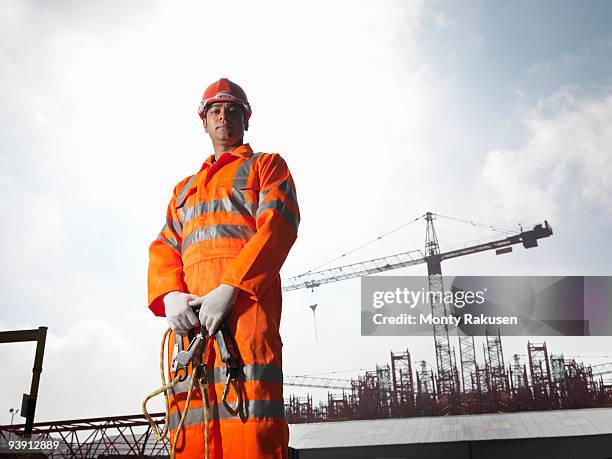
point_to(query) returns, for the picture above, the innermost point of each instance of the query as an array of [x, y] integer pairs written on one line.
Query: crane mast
[[445, 360]]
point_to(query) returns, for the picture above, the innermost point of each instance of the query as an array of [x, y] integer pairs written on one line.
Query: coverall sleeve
[[277, 220], [165, 262]]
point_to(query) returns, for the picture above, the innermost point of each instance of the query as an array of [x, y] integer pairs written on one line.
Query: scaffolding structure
[[541, 378], [519, 385], [394, 391], [402, 395]]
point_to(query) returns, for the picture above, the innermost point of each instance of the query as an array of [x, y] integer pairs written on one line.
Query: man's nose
[[223, 114]]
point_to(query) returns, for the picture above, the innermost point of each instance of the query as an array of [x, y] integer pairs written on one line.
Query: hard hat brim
[[223, 98]]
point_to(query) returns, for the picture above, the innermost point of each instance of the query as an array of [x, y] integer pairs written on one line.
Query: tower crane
[[318, 382], [448, 377]]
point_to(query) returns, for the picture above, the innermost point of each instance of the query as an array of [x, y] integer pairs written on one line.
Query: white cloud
[[35, 229], [94, 361], [564, 167]]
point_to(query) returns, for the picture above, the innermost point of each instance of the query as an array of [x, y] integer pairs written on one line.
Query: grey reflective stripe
[[169, 241], [185, 189], [182, 386], [266, 373], [206, 233], [284, 186], [280, 206], [175, 225], [238, 199], [250, 409], [235, 203], [181, 214], [244, 170]]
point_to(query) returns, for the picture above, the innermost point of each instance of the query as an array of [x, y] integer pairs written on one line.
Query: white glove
[[181, 317], [215, 305]]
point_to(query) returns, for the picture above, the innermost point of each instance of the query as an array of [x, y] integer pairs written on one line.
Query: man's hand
[[181, 317], [215, 305]]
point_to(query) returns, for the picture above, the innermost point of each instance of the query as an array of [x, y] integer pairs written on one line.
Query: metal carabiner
[[184, 358], [233, 410]]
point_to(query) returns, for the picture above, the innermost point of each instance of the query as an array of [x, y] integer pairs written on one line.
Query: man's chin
[[228, 139]]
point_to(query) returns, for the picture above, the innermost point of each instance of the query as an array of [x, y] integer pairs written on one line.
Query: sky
[[494, 112]]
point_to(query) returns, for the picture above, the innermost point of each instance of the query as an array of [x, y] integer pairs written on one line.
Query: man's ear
[[205, 125]]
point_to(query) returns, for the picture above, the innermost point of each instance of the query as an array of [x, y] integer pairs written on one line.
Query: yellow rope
[[183, 416], [205, 404], [206, 407], [160, 435]]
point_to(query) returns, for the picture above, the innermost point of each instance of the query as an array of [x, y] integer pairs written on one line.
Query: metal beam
[[28, 403]]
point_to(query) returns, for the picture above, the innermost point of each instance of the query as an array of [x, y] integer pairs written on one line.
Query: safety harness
[[196, 355]]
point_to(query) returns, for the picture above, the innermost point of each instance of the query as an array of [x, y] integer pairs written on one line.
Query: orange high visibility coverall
[[233, 222]]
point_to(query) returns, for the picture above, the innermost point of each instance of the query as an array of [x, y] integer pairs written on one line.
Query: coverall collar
[[243, 151]]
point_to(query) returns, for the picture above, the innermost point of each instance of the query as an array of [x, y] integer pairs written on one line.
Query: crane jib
[[314, 279]]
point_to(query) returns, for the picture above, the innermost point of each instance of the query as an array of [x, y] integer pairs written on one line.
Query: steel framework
[[390, 391], [93, 437]]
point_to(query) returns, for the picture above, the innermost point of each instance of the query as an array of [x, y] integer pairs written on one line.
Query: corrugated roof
[[526, 424]]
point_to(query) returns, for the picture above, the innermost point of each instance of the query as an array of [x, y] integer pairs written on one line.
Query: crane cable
[[499, 229], [203, 385], [362, 245], [334, 372]]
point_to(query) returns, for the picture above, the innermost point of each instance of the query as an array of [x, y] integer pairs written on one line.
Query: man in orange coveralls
[[228, 230]]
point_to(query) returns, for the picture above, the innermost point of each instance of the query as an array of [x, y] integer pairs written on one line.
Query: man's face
[[224, 123]]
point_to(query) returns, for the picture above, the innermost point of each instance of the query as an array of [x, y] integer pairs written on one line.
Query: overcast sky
[[488, 111]]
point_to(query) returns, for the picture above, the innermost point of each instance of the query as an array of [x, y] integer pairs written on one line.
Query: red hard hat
[[225, 90]]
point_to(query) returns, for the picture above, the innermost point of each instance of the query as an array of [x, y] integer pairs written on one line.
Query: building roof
[[438, 429]]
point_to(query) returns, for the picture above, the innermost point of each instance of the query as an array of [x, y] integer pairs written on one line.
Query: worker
[[228, 231]]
